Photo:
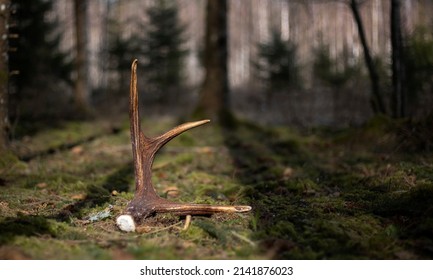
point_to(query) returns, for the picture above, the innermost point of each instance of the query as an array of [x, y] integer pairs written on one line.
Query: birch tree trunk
[[4, 73], [214, 94], [81, 82]]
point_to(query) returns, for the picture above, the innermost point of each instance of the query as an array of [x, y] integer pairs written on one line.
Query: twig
[[187, 222], [158, 230], [243, 238]]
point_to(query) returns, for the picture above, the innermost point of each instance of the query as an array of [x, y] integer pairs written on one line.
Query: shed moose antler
[[146, 201]]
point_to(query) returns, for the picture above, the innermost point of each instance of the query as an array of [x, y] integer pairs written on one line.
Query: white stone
[[126, 223]]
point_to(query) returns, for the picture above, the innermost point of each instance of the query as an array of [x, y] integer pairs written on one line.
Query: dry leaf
[[205, 150], [287, 173], [42, 185], [79, 196], [77, 150], [143, 229], [171, 191]]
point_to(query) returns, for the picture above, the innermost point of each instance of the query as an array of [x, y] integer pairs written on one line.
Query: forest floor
[[359, 193]]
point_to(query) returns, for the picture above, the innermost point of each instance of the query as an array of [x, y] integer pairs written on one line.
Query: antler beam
[[146, 201]]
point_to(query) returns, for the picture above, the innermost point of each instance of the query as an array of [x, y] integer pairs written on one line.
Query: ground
[[359, 193]]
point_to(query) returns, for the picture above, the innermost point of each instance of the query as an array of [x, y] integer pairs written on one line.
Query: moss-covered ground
[[359, 193]]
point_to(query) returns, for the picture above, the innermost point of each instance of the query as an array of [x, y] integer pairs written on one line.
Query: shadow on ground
[[40, 225], [24, 226], [306, 206], [98, 195]]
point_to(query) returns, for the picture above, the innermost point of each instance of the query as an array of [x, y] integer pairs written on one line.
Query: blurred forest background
[[289, 62], [319, 66]]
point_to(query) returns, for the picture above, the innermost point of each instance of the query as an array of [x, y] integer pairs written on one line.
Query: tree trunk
[[376, 100], [81, 82], [4, 74], [398, 96], [214, 94]]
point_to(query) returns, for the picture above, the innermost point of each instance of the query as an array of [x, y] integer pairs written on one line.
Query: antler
[[146, 201]]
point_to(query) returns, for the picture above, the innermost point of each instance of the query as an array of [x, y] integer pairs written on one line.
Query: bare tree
[[214, 94], [4, 73], [398, 68], [81, 82], [377, 99]]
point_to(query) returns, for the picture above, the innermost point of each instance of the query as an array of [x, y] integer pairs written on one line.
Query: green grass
[[352, 194]]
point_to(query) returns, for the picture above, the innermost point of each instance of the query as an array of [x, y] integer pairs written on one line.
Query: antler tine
[[136, 135], [200, 209], [146, 201], [163, 139]]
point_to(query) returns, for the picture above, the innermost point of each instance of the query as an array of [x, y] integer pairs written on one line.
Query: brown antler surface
[[146, 201]]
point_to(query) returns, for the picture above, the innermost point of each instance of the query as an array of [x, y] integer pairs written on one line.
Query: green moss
[[302, 185], [194, 233], [283, 229], [328, 195], [24, 225], [50, 248], [8, 159], [212, 230], [159, 248]]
